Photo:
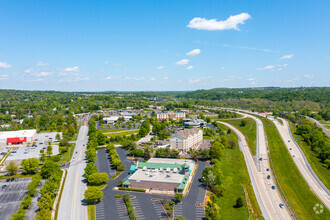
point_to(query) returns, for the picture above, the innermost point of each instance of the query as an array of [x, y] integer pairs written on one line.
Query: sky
[[163, 45]]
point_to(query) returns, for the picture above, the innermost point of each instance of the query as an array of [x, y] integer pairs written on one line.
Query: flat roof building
[[161, 116], [159, 174], [17, 137]]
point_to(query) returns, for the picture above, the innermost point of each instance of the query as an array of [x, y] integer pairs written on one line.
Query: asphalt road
[[268, 199], [72, 204], [325, 130], [302, 164]]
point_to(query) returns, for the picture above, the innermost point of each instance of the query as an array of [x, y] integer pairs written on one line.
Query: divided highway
[[268, 198], [71, 204], [325, 130]]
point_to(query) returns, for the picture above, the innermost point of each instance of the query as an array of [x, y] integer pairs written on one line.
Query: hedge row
[[26, 202], [129, 207], [132, 189], [116, 162]]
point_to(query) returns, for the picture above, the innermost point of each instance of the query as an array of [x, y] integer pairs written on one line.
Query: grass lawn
[[233, 165], [322, 172], [110, 130], [91, 212], [66, 157], [289, 180], [249, 131], [19, 175], [128, 132]]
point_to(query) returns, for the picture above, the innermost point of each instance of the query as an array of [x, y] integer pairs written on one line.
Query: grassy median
[[233, 165], [91, 212], [249, 131], [292, 184], [322, 172], [121, 133]]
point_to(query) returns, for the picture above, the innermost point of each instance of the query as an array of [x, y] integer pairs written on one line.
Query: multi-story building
[[161, 116], [194, 122], [186, 139]]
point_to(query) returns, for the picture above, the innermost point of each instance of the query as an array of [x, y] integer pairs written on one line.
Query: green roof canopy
[[182, 185], [159, 165], [126, 183]]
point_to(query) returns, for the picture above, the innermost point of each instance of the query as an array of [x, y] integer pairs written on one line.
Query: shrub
[[132, 189], [118, 196]]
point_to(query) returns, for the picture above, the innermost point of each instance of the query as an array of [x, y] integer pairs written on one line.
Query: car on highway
[[290, 148], [268, 177], [288, 140], [267, 169], [260, 158], [281, 205], [273, 187]]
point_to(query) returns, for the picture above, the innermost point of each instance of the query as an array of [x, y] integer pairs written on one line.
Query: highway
[[325, 130], [72, 206], [302, 163], [268, 199]]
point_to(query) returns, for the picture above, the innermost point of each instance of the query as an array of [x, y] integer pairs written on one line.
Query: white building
[[161, 116], [17, 137], [114, 119], [186, 139]]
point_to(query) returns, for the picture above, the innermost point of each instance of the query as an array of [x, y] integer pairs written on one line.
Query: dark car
[[267, 169], [260, 158], [4, 186], [8, 180], [268, 177], [273, 187], [12, 179]]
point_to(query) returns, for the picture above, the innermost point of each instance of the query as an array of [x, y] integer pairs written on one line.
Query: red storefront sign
[[16, 140]]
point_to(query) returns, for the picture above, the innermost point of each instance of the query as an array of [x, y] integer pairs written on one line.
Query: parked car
[[4, 186], [12, 179], [16, 179], [8, 180], [273, 187]]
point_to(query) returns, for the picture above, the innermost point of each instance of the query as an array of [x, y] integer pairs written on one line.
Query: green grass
[[280, 120], [249, 131], [233, 165], [91, 212], [129, 132], [19, 175], [110, 130], [66, 157], [292, 184], [322, 172]]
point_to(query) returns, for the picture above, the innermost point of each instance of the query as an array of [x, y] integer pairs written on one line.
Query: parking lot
[[11, 194], [29, 151]]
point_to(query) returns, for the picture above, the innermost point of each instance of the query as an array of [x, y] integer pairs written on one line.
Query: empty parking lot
[[11, 194]]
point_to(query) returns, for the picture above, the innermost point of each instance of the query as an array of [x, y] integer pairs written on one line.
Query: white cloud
[[109, 77], [252, 83], [117, 64], [4, 65], [251, 79], [182, 62], [3, 76], [43, 74], [194, 52], [288, 56], [194, 80], [28, 71], [40, 63], [72, 69], [160, 67], [189, 67], [269, 67], [134, 78], [211, 25], [308, 76], [247, 48], [106, 62], [81, 79], [153, 78], [165, 78]]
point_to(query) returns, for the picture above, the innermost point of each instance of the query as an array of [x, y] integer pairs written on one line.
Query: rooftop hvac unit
[[161, 169], [168, 169], [144, 168], [147, 173], [175, 170]]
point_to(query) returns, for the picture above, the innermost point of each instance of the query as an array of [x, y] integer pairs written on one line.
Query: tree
[[138, 152], [243, 123], [90, 169], [239, 203], [49, 168], [96, 179], [45, 202], [49, 150], [30, 165], [58, 137], [217, 150], [91, 154], [178, 197], [93, 194], [12, 168], [44, 214], [120, 182], [232, 144]]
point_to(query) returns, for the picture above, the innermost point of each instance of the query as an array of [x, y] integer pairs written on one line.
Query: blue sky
[[144, 45]]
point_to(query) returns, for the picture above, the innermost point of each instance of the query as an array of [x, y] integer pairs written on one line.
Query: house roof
[[186, 133]]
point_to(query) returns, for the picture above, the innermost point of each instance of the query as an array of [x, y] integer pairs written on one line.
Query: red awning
[[16, 140]]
